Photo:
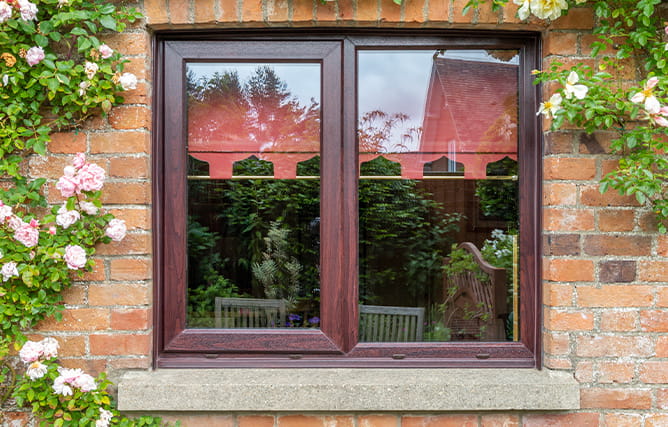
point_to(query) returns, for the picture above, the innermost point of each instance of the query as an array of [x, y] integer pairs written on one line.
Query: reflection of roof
[[473, 103]]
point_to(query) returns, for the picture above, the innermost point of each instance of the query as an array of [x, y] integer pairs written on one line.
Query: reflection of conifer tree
[[375, 132]]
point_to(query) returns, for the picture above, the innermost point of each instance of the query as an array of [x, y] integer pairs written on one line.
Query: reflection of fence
[[249, 313], [390, 324]]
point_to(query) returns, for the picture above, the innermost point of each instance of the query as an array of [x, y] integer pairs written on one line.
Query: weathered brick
[[440, 421], [119, 142], [596, 143], [615, 296], [255, 421], [130, 269], [559, 194], [617, 271], [179, 11], [119, 294], [558, 43], [613, 346], [662, 297], [570, 270], [119, 345], [575, 19], [654, 372], [616, 372], [78, 319], [251, 11], [589, 419], [557, 344], [662, 246], [653, 271], [140, 362], [129, 43], [616, 220], [619, 320], [612, 244], [654, 320], [584, 371], [131, 319], [67, 142], [656, 420], [277, 10], [126, 193], [662, 398], [558, 142], [559, 320], [75, 295], [623, 420], [205, 11], [591, 196], [561, 244], [155, 11], [302, 11], [661, 346], [568, 219], [132, 244], [325, 12], [569, 168], [130, 117], [377, 421], [415, 11], [558, 294], [367, 10], [610, 398], [200, 420], [129, 167], [499, 420]]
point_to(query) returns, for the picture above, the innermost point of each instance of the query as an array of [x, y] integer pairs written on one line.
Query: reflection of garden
[[258, 237]]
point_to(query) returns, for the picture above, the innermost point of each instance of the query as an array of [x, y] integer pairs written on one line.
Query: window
[[356, 200]]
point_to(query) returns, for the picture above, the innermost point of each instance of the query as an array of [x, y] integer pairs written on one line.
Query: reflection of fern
[[279, 271]]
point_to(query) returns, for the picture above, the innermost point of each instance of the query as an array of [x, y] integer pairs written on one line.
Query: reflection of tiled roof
[[473, 103]]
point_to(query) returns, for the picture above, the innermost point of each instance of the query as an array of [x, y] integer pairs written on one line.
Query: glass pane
[[438, 195], [253, 195]]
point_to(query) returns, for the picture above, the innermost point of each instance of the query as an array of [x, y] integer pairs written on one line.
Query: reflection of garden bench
[[249, 313], [390, 324], [480, 296]]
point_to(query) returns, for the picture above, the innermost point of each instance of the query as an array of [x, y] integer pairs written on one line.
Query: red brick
[[179, 11], [129, 117], [557, 344], [557, 43], [438, 10], [119, 345], [558, 294], [228, 10], [96, 275], [377, 421], [75, 295], [591, 196], [561, 244], [662, 297], [390, 11], [119, 142], [129, 167], [414, 11], [302, 11], [615, 296], [91, 367], [569, 168], [584, 372], [654, 372], [130, 269], [325, 12], [129, 363], [597, 143], [48, 167], [656, 420], [15, 419], [130, 319], [485, 14], [608, 398], [129, 43], [557, 362], [623, 420], [654, 321], [570, 270], [653, 271], [616, 220], [133, 244], [205, 11], [200, 420], [614, 372], [662, 346], [440, 421], [119, 294], [587, 419], [126, 193], [613, 346], [251, 11], [300, 421], [558, 143], [559, 320], [71, 346], [78, 319], [135, 218], [255, 421], [278, 10], [617, 321], [575, 19], [617, 271], [138, 95], [555, 194], [137, 66], [662, 246], [67, 142], [155, 11], [568, 219], [662, 398], [458, 15], [367, 10], [346, 12]]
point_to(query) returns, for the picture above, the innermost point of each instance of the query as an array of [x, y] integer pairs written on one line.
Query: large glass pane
[[438, 195], [253, 195]]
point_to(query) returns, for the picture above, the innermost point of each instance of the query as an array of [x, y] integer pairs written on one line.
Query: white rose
[[128, 81], [116, 230], [66, 218]]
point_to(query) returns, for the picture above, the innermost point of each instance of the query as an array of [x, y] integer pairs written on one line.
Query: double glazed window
[[347, 201]]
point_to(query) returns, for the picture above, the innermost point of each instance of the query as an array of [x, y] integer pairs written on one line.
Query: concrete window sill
[[349, 390]]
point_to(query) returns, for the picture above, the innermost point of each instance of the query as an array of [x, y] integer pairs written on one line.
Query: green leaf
[[109, 22]]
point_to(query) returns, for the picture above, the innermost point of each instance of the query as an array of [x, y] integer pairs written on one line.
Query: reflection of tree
[[499, 199], [262, 110], [375, 132], [504, 128]]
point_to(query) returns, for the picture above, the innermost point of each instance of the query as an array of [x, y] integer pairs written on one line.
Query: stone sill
[[348, 390]]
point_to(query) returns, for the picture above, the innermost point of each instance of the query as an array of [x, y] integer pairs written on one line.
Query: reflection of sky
[[302, 79], [397, 82]]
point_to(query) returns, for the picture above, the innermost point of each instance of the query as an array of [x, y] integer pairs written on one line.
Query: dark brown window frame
[[334, 345]]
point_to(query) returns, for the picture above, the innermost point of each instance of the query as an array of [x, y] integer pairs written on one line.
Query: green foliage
[[499, 199]]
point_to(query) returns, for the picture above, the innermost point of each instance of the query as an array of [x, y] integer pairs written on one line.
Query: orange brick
[[570, 270], [300, 421], [623, 420], [616, 220], [558, 142], [458, 15], [662, 398], [569, 168], [129, 363], [71, 346], [255, 421], [346, 12], [205, 11], [389, 11], [662, 346], [155, 11], [557, 344], [126, 193], [367, 10], [557, 43], [662, 246], [138, 95], [67, 142], [415, 11], [130, 319], [229, 11], [133, 244], [575, 19], [559, 320], [119, 345], [179, 11], [129, 117], [137, 66], [438, 10], [96, 275], [119, 142], [609, 398], [277, 10], [200, 420], [618, 321], [129, 167], [613, 372], [656, 420], [130, 269], [91, 367], [584, 372], [613, 346], [558, 295], [119, 294], [135, 218], [591, 196], [377, 421], [588, 419], [48, 167], [615, 296], [654, 320], [129, 43], [325, 12], [440, 421], [654, 372], [15, 418], [500, 420], [653, 271], [251, 11], [78, 319], [557, 362], [568, 219], [485, 14], [559, 194], [302, 11], [662, 297], [75, 295]]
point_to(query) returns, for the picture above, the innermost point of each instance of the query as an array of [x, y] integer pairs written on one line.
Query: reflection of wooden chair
[[473, 294], [390, 324], [249, 313]]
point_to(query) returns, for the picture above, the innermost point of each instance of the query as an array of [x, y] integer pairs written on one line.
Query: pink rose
[[9, 270], [66, 218], [116, 230], [91, 177], [75, 257], [34, 55], [50, 347], [5, 11], [105, 51], [14, 222], [68, 186], [5, 212], [88, 207], [28, 10], [27, 235], [79, 160], [30, 352]]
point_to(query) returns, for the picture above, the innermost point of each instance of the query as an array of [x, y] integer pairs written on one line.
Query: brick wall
[[605, 268]]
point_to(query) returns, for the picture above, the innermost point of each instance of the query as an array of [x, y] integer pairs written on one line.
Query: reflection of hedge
[[500, 199]]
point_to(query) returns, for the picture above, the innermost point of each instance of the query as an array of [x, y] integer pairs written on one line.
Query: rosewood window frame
[[334, 344]]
